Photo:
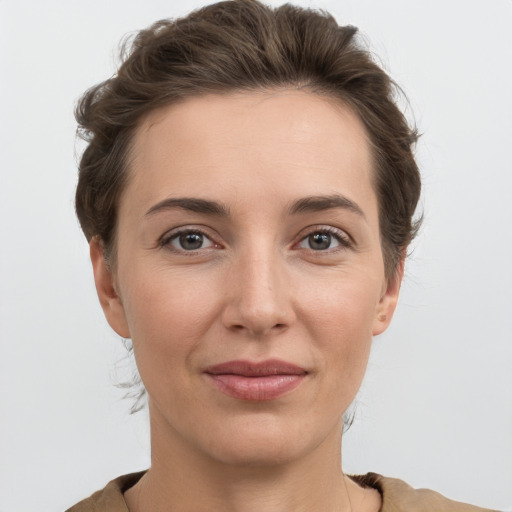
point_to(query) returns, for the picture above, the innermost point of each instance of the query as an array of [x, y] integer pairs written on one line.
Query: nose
[[259, 299]]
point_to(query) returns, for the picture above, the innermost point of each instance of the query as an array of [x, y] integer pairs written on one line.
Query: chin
[[261, 442]]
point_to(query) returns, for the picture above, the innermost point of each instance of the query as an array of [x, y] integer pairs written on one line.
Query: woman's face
[[249, 272]]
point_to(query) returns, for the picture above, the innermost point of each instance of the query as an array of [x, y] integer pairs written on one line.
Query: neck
[[181, 478]]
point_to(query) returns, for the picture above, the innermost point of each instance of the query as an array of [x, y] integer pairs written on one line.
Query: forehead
[[284, 142]]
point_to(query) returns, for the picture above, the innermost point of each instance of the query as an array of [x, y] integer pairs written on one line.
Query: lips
[[256, 381]]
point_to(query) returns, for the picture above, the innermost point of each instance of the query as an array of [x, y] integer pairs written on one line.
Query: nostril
[[241, 327]]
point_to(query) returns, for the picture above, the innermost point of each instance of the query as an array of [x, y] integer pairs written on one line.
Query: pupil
[[191, 241], [319, 241]]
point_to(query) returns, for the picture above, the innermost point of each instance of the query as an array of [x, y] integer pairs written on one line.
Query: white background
[[436, 406]]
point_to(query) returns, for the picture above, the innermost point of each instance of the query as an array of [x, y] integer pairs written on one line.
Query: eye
[[323, 240], [189, 240]]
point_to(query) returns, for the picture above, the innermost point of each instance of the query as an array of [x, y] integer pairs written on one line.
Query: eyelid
[[168, 236], [344, 239]]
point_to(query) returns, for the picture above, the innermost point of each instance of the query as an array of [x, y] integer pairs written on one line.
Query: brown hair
[[244, 45]]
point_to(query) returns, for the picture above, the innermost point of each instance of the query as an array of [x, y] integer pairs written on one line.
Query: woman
[[248, 192]]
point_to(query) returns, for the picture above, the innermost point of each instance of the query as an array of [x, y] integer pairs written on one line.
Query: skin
[[255, 289]]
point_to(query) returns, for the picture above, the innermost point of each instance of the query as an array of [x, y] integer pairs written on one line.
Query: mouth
[[256, 381]]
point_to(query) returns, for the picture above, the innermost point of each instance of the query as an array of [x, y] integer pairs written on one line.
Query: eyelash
[[166, 240], [342, 238]]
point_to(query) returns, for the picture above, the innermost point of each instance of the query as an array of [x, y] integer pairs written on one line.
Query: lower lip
[[262, 388]]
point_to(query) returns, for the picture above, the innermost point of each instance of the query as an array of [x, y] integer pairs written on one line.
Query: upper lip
[[256, 369]]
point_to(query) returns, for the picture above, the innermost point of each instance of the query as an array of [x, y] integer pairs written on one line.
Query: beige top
[[397, 496]]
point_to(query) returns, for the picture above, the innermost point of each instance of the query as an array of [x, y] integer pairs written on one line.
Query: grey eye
[[319, 241], [190, 241]]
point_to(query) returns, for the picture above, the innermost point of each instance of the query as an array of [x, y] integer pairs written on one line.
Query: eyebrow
[[308, 204], [191, 204], [320, 203]]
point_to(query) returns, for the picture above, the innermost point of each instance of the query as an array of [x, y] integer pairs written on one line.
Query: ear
[[388, 301], [105, 286]]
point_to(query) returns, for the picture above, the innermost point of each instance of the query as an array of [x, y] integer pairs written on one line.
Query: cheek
[[343, 303], [340, 320], [168, 314]]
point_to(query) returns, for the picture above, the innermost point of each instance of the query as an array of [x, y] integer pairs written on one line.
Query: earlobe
[[105, 287], [387, 303]]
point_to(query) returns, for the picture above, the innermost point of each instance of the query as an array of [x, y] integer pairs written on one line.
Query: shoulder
[[110, 498], [398, 496]]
